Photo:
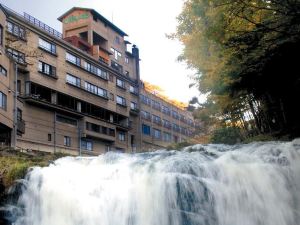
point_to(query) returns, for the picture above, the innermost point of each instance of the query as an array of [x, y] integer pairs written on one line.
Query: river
[[253, 184]]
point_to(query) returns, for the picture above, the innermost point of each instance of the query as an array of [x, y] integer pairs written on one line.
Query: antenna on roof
[[112, 16]]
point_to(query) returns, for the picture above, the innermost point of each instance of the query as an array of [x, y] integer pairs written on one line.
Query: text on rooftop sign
[[73, 18]]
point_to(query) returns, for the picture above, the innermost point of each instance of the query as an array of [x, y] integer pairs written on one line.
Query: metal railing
[[35, 22]]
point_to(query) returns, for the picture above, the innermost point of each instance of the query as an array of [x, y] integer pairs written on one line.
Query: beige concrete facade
[[75, 90]]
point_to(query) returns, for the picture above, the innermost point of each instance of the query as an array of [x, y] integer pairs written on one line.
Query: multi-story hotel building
[[78, 91]]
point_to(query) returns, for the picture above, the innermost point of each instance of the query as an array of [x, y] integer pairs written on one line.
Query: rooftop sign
[[73, 18]]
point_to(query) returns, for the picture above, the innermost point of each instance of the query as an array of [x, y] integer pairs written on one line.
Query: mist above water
[[254, 184]]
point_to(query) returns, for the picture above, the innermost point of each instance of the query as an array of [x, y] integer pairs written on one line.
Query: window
[[19, 114], [167, 137], [47, 46], [16, 30], [87, 145], [67, 120], [133, 90], [73, 80], [47, 69], [121, 100], [155, 105], [121, 136], [95, 89], [175, 115], [133, 106], [167, 124], [156, 134], [19, 86], [1, 35], [146, 129], [117, 54], [3, 71], [16, 55], [95, 70], [49, 137], [126, 59], [67, 141], [73, 59], [166, 110], [117, 40], [145, 100], [116, 67], [146, 115], [156, 119], [176, 127], [121, 83], [3, 101]]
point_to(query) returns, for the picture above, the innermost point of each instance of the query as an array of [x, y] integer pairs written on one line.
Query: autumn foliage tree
[[244, 52]]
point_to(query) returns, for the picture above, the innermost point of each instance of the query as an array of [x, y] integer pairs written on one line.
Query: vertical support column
[[136, 54], [54, 133], [15, 126]]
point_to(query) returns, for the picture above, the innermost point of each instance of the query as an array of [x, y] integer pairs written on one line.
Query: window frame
[[3, 101], [43, 46], [77, 82]]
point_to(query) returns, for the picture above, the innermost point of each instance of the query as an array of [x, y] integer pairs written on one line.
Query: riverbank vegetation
[[14, 164], [245, 56]]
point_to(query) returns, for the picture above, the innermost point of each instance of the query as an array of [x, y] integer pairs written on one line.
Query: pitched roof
[[96, 14]]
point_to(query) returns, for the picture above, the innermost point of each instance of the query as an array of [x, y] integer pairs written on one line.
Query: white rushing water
[[255, 184]]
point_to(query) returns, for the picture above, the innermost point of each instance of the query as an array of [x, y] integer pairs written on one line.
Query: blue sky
[[146, 23]]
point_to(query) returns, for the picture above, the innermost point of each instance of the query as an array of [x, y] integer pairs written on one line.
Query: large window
[[100, 129], [121, 100], [87, 145], [67, 120], [49, 47], [3, 71], [47, 69], [96, 70], [16, 55], [95, 89], [73, 80], [16, 30], [73, 59], [3, 101], [121, 83], [146, 129], [116, 53]]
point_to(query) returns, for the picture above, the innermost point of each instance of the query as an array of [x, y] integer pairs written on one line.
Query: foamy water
[[255, 184]]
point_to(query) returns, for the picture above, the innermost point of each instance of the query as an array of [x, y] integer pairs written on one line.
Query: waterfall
[[253, 184]]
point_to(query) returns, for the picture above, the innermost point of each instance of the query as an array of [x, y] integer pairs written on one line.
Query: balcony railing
[[42, 26]]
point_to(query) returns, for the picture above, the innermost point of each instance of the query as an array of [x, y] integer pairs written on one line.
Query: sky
[[146, 23]]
